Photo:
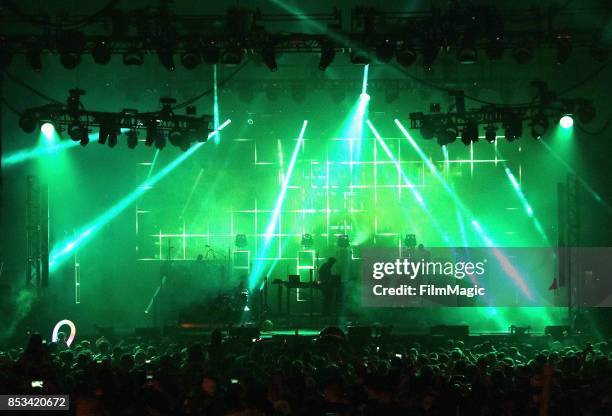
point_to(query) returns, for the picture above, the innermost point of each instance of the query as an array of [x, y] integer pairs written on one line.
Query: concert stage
[[306, 167]]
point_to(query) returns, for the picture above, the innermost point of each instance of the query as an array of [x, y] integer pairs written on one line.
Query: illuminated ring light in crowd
[[59, 325]]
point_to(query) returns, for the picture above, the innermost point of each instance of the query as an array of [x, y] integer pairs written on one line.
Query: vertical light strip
[[364, 83], [184, 241], [216, 104], [446, 160], [471, 158], [376, 169]]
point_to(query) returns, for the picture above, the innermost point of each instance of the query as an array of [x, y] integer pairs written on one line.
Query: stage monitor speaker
[[454, 331], [557, 331]]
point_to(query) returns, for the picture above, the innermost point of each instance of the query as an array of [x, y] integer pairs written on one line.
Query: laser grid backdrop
[[339, 185]]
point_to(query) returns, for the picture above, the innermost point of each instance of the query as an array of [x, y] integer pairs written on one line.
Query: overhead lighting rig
[[180, 130], [446, 127], [462, 29]]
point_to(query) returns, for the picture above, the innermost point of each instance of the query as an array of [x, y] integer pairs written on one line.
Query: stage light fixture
[[539, 125], [232, 55], [190, 59], [160, 142], [307, 240], [328, 53], [467, 56], [109, 130], [175, 136], [132, 138], [71, 44], [566, 121], [28, 122], [133, 57], [152, 133], [406, 55], [385, 51], [101, 53], [513, 127], [166, 58], [522, 53], [343, 241], [467, 53], [447, 134], [428, 128], [112, 138], [47, 129], [179, 138], [268, 55], [79, 133], [359, 56], [192, 56], [240, 241], [469, 134], [106, 127], [211, 53], [491, 133]]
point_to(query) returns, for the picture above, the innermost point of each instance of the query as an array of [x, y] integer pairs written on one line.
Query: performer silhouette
[[329, 284]]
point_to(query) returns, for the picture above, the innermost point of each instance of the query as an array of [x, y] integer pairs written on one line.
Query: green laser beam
[[43, 149], [51, 145], [364, 83], [258, 268]]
